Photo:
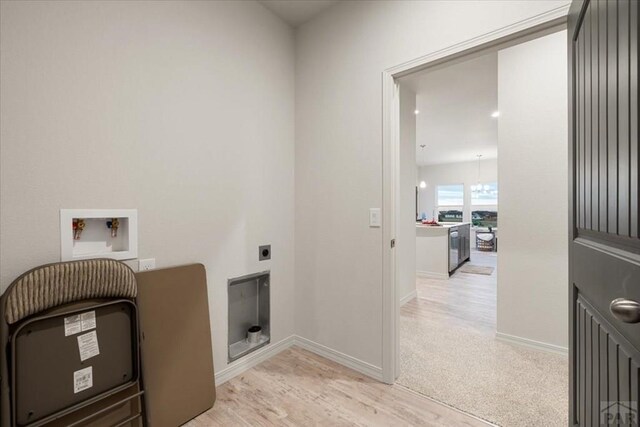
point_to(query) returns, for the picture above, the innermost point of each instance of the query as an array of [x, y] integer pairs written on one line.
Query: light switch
[[375, 218]]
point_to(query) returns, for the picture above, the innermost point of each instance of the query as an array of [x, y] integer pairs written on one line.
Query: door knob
[[626, 310]]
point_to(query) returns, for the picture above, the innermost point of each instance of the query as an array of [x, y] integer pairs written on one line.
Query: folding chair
[[70, 347]]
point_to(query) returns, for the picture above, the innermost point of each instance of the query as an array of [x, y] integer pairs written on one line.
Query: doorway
[[465, 337]]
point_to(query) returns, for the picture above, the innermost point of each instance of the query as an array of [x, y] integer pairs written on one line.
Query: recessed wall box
[[249, 314], [264, 252], [98, 233]]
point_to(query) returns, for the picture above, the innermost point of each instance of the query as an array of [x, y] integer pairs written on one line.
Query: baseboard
[[249, 361], [431, 275], [238, 367], [341, 358], [552, 348], [413, 294]]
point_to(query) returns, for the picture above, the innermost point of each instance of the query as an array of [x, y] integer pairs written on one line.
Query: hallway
[[448, 351]]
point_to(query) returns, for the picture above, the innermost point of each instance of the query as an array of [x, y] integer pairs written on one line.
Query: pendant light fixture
[[478, 188], [423, 184]]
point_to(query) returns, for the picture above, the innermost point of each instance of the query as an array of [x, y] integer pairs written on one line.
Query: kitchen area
[[448, 175], [441, 248], [456, 213]]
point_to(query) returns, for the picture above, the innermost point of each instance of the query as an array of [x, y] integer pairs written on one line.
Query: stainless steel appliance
[[454, 248], [459, 246]]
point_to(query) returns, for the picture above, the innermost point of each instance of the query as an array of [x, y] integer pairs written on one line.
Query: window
[[484, 199], [450, 200], [451, 195], [482, 218], [449, 215]]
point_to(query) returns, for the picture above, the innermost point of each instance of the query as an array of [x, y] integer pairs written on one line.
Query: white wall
[[340, 57], [532, 142], [183, 110], [406, 221], [454, 173]]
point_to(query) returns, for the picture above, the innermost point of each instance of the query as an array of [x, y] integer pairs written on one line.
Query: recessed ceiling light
[[495, 114], [416, 112]]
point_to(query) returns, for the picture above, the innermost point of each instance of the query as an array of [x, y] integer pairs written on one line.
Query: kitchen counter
[[434, 257], [442, 224], [443, 228]]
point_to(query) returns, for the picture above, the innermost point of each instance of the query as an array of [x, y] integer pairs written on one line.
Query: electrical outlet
[[264, 252], [146, 264]]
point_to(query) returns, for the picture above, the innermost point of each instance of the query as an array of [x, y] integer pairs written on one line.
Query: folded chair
[[70, 347]]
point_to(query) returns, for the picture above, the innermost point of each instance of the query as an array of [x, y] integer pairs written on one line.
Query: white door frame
[[549, 21]]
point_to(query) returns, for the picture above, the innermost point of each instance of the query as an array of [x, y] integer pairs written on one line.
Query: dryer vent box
[[248, 306]]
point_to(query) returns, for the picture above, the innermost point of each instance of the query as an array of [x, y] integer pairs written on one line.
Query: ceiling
[[297, 12], [455, 104]]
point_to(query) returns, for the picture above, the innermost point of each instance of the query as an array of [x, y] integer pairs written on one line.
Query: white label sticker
[[88, 320], [72, 325], [88, 345], [82, 379]]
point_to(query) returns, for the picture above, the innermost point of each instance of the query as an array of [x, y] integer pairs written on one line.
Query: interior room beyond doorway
[[477, 177]]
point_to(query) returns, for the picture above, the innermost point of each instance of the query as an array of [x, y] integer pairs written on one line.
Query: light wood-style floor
[[299, 388], [466, 300]]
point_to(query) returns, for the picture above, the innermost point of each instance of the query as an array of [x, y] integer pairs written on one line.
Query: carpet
[[476, 269], [503, 383]]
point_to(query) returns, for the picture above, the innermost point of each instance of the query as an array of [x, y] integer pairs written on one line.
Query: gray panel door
[[604, 240]]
